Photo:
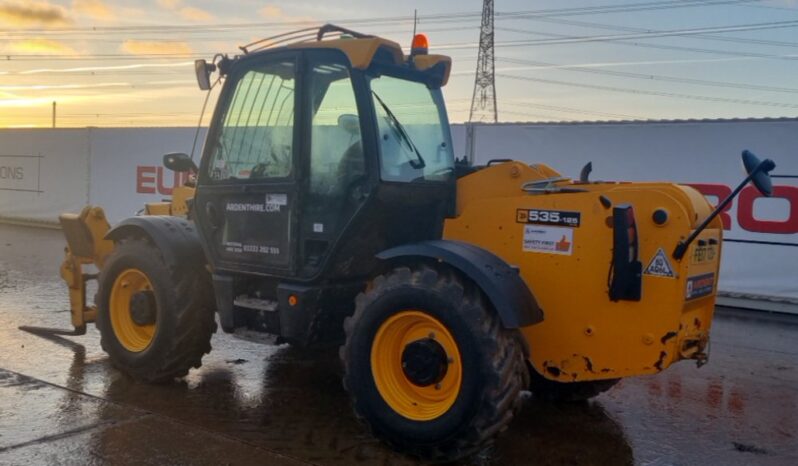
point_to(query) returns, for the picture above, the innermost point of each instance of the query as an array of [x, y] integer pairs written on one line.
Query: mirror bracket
[[179, 162], [758, 172]]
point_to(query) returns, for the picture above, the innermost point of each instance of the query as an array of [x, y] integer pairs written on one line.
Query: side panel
[[563, 246], [501, 283]]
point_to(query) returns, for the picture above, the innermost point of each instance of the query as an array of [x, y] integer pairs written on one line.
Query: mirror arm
[[681, 248]]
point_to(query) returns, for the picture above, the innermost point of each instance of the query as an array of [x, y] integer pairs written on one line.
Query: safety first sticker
[[551, 240]]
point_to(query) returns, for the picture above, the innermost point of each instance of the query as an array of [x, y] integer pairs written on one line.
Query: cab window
[[255, 139], [415, 144], [336, 155]]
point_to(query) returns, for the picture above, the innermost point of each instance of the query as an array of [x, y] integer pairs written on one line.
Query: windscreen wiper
[[417, 164]]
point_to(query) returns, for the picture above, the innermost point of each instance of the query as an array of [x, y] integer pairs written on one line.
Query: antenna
[[483, 102], [415, 23]]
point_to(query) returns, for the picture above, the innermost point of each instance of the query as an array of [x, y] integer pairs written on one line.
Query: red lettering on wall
[[721, 192], [745, 211], [177, 180], [145, 180]]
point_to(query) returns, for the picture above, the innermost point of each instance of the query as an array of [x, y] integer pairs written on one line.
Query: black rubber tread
[[185, 318], [550, 390], [501, 375]]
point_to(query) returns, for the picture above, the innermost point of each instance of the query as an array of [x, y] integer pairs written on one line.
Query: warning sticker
[[659, 266], [700, 285], [277, 199], [552, 240]]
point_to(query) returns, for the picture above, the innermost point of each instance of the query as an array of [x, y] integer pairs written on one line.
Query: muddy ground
[[61, 402]]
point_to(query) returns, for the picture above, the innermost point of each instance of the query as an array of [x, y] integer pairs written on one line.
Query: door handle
[[213, 215]]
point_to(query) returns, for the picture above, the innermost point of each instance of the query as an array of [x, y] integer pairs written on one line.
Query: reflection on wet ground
[[62, 403]]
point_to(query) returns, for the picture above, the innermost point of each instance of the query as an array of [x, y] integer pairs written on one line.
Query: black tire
[[550, 390], [493, 364], [184, 320]]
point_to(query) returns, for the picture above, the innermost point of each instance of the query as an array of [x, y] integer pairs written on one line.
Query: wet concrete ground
[[61, 402]]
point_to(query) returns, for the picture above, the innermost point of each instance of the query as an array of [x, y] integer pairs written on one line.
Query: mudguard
[[503, 286], [176, 238]]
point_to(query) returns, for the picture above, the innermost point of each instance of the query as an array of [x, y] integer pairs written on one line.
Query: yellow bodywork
[[86, 246], [177, 206], [585, 335], [361, 53]]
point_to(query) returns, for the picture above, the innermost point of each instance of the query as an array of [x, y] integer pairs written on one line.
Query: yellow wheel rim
[[132, 336], [418, 403]]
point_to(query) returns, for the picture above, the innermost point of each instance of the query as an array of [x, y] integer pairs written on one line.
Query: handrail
[[301, 35]]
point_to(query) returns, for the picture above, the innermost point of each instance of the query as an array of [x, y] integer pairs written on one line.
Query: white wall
[[706, 152], [127, 166], [45, 172]]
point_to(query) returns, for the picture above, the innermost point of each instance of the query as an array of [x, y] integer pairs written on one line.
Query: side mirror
[[758, 174], [203, 70], [349, 123], [179, 162], [759, 171]]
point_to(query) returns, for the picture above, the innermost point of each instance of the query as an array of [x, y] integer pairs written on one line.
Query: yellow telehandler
[[328, 202]]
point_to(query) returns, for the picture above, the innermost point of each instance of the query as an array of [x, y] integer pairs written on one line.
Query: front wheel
[[155, 321], [429, 366]]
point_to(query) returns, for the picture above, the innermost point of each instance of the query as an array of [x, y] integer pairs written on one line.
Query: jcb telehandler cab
[[328, 197]]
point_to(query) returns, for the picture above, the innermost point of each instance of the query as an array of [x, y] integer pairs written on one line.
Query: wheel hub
[[142, 307], [424, 362]]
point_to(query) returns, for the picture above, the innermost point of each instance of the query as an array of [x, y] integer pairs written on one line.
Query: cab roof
[[360, 49]]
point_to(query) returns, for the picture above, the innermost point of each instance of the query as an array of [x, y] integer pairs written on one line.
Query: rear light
[[626, 271]]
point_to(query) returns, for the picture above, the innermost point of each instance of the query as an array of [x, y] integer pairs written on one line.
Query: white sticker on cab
[[277, 199], [550, 240]]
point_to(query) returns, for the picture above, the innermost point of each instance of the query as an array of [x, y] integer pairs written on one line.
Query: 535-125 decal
[[562, 218]]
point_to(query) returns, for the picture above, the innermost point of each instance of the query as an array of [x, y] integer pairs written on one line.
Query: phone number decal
[[562, 218]]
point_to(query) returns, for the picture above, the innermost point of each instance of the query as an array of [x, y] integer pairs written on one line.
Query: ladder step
[[255, 303]]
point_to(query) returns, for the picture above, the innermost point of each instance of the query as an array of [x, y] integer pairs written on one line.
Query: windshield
[[415, 143]]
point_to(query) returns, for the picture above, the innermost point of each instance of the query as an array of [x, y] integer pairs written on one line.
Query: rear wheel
[[429, 366], [155, 322]]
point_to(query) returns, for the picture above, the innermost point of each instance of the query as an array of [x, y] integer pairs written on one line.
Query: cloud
[[95, 9], [271, 11], [83, 69], [169, 4], [144, 47], [188, 13], [195, 14], [274, 12], [32, 13], [38, 46]]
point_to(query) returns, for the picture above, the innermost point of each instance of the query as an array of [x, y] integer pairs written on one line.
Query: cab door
[[337, 181], [247, 196]]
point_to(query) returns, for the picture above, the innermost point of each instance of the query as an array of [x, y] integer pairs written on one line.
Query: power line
[[732, 53], [545, 117], [703, 36], [536, 42], [440, 17], [653, 93], [653, 77], [654, 34], [582, 111]]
